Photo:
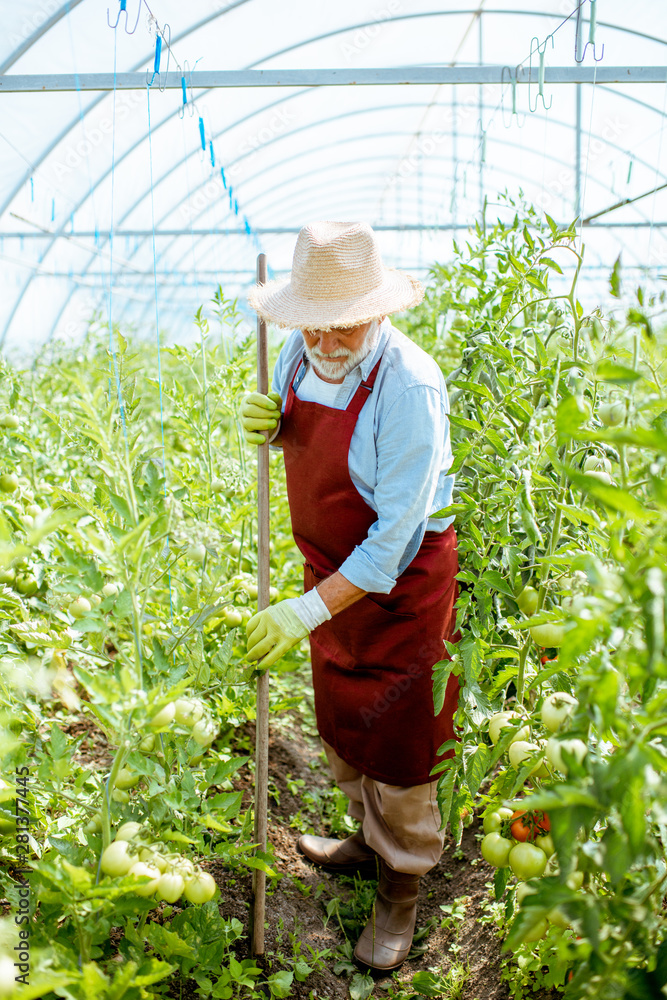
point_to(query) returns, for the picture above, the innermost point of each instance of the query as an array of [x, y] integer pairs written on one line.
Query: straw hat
[[338, 280]]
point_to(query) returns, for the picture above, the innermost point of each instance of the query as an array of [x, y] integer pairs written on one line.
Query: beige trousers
[[401, 824]]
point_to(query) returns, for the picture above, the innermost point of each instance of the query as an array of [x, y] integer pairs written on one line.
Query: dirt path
[[458, 881]]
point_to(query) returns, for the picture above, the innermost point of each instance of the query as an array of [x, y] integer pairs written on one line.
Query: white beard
[[339, 369]]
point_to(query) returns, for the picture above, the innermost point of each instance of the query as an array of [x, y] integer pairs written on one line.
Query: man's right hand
[[260, 413]]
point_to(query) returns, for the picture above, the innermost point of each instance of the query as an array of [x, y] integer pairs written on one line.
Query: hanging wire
[[657, 172], [157, 337], [588, 153], [123, 10], [592, 22]]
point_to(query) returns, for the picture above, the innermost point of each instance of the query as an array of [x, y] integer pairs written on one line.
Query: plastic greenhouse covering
[[137, 203]]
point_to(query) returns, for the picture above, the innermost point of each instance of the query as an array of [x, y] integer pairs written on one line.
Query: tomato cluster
[[166, 876]]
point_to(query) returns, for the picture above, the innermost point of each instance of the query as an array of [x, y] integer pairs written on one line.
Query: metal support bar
[[385, 76], [293, 230]]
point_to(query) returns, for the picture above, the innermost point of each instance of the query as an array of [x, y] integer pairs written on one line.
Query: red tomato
[[529, 825], [547, 659]]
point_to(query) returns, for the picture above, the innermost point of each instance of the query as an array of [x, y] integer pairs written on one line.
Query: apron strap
[[363, 392]]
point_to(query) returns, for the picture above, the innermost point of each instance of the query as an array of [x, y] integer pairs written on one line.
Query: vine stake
[[258, 900]]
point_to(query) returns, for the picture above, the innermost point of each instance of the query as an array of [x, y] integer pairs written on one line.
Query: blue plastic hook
[[592, 23], [123, 10], [202, 134], [541, 51], [159, 37]]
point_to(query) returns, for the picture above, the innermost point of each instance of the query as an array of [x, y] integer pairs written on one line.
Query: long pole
[[258, 901]]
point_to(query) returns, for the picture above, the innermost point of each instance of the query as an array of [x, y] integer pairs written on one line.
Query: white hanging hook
[[541, 51], [592, 23], [512, 79]]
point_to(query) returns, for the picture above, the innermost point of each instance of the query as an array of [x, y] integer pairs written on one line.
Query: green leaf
[[500, 880], [475, 768], [615, 278], [121, 507], [58, 743], [445, 794], [551, 263], [361, 987], [427, 984], [280, 983], [611, 371], [441, 674]]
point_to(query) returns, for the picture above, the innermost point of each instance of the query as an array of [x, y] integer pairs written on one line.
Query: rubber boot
[[342, 857], [386, 939]]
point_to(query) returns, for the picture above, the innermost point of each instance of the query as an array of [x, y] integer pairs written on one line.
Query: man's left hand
[[272, 632]]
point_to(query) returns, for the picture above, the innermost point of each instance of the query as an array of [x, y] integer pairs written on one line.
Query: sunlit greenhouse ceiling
[[151, 150]]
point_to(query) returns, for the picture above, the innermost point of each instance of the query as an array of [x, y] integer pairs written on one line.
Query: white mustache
[[342, 352]]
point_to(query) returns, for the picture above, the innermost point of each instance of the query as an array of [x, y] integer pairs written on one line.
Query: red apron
[[372, 662]]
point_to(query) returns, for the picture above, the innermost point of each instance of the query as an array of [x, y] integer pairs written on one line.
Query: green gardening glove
[[260, 413], [272, 632]]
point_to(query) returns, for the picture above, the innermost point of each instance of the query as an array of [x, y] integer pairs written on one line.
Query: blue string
[[202, 134], [53, 210], [210, 146], [224, 179], [32, 189], [157, 335]]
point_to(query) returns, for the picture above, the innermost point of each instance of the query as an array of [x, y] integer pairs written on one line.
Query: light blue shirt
[[400, 452]]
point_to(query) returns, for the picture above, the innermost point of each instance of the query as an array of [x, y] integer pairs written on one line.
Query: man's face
[[334, 353]]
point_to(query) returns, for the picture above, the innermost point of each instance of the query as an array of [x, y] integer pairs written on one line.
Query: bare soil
[[460, 875]]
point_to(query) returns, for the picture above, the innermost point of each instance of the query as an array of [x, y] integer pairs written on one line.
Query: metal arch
[[304, 128], [195, 152], [440, 13], [353, 185], [35, 37], [197, 26], [97, 100], [176, 165]]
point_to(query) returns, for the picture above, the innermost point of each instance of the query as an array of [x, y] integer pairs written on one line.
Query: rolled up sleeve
[[412, 445]]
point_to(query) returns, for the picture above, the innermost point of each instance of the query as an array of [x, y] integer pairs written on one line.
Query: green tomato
[[527, 861], [556, 917], [505, 813], [574, 881], [80, 607], [611, 414], [520, 751], [128, 830], [95, 600], [597, 462], [231, 617], [188, 711], [496, 849], [492, 822], [546, 844], [164, 717], [9, 482], [120, 795], [10, 421], [94, 825], [170, 886], [152, 872], [537, 932], [147, 744], [27, 584], [551, 634], [153, 857], [602, 477], [200, 888], [7, 575], [555, 749], [196, 553], [110, 589], [204, 732], [498, 722], [117, 859], [556, 708], [524, 889], [126, 778], [527, 601]]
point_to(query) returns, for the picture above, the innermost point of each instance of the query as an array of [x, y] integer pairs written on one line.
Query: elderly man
[[361, 414]]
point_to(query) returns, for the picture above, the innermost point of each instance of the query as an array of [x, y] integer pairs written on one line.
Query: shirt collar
[[371, 359]]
